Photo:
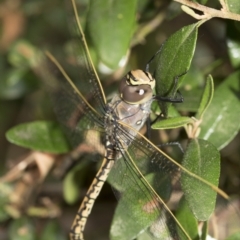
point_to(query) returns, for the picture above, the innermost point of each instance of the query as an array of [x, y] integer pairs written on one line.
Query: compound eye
[[135, 94], [139, 77]]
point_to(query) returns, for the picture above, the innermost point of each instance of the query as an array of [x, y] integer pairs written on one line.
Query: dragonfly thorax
[[137, 87], [132, 107], [119, 111]]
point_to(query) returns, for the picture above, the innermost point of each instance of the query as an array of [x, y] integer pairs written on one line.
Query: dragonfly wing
[[87, 78], [144, 178], [74, 85], [75, 110]]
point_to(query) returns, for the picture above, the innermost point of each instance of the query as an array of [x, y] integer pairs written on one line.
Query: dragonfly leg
[[80, 220]]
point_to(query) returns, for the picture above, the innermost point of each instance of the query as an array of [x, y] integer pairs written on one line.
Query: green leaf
[[170, 123], [233, 5], [173, 60], [206, 97], [40, 135], [233, 43], [111, 25], [202, 159], [186, 218], [221, 120], [22, 229]]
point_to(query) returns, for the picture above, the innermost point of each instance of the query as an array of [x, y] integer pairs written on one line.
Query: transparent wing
[[146, 179], [74, 110], [88, 81], [74, 87]]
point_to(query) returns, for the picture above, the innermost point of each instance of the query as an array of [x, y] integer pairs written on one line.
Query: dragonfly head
[[137, 87]]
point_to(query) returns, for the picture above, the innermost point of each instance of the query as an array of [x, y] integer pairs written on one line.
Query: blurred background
[[42, 204]]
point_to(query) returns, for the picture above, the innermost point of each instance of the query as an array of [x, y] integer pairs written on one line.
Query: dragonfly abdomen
[[80, 220]]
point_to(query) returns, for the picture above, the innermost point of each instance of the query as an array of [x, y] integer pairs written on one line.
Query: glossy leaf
[[111, 25], [221, 120], [233, 43], [170, 123], [173, 60], [206, 97], [40, 135], [234, 51], [202, 159]]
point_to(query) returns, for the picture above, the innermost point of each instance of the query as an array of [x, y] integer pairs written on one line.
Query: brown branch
[[207, 11]]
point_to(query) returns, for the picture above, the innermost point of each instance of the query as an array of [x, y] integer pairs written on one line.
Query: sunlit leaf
[[221, 120], [234, 51], [233, 42]]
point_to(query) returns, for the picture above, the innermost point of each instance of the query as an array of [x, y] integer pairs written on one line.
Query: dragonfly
[[142, 174]]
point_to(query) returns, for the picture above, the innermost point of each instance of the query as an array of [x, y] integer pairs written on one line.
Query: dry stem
[[207, 11]]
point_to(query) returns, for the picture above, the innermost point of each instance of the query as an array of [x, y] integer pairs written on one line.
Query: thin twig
[[207, 11], [224, 5]]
